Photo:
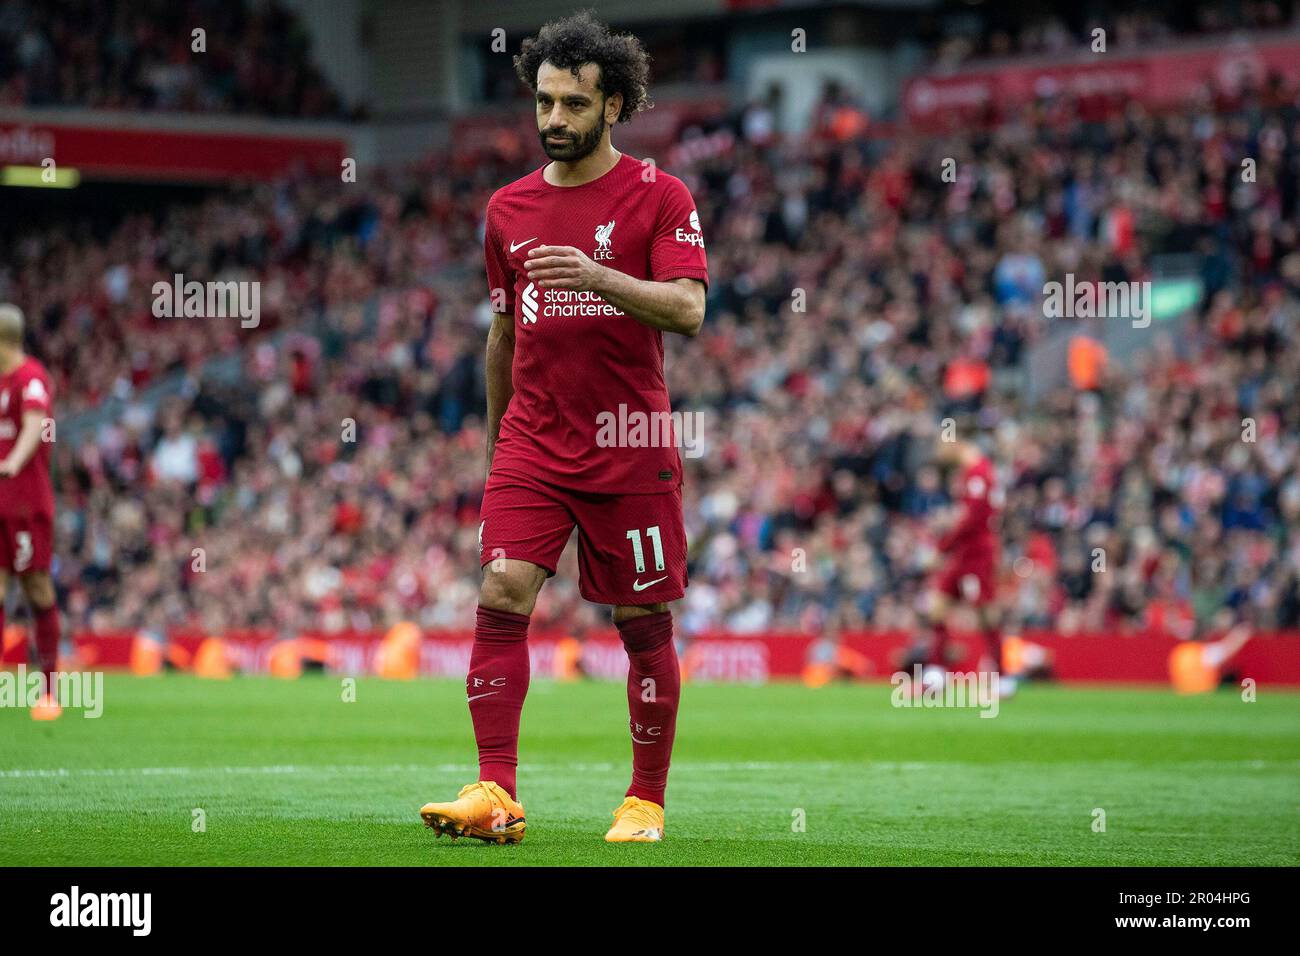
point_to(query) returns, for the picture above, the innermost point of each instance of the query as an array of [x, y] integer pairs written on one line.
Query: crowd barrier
[[1104, 85], [405, 652]]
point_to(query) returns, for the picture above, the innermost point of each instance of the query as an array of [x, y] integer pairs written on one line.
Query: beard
[[576, 146]]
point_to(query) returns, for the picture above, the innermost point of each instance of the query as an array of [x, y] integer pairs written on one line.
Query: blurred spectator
[[138, 55]]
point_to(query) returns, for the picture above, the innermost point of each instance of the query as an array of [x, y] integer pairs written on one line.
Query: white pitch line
[[308, 769], [193, 771], [702, 767]]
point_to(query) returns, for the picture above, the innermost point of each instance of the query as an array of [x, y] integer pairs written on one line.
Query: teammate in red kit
[[26, 496], [972, 553], [590, 260]]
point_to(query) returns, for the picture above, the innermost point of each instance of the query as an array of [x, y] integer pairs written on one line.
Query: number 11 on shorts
[[638, 553]]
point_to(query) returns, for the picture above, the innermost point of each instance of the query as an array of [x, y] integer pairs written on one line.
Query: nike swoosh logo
[[635, 741], [638, 586], [488, 694], [514, 245]]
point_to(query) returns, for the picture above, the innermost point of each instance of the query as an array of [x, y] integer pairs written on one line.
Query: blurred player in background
[[590, 259], [1198, 667], [27, 497], [971, 553]]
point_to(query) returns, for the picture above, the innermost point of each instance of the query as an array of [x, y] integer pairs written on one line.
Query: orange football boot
[[481, 810], [637, 821], [47, 708]]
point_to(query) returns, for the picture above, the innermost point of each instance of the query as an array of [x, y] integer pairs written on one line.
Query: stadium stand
[[135, 55], [812, 418], [922, 302]]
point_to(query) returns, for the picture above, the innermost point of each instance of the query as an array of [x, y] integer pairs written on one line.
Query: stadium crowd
[[1054, 32], [857, 299], [138, 55]]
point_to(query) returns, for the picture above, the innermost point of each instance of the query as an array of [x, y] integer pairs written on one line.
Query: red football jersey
[[29, 493], [580, 363], [976, 531]]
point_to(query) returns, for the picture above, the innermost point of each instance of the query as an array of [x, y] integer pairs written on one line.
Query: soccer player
[[972, 553], [590, 260], [27, 497], [1199, 666]]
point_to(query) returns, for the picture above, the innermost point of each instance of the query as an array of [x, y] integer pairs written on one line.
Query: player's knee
[[935, 607], [626, 612], [641, 627], [513, 589], [38, 588]]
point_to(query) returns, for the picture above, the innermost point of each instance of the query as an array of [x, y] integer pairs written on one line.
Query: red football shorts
[[631, 548], [970, 578], [26, 544]]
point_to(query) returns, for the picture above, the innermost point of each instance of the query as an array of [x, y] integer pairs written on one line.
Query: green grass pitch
[[287, 773]]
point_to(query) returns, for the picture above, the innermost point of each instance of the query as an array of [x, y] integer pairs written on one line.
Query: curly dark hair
[[581, 38]]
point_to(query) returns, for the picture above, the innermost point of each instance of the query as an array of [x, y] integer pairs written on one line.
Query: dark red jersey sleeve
[[677, 247], [35, 395]]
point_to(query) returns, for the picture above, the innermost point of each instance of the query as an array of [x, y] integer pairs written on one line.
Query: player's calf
[[38, 587], [653, 693], [495, 688]]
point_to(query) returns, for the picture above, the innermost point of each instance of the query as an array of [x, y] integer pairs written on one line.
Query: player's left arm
[[672, 298], [676, 305], [29, 437]]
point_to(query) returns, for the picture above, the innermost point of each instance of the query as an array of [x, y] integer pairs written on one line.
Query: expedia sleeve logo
[[692, 236], [35, 391]]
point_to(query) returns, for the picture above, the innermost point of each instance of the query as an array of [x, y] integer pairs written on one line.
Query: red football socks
[[993, 641], [496, 686], [654, 684], [939, 646], [47, 642]]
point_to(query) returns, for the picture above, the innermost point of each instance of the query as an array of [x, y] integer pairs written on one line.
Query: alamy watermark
[[1098, 300], [636, 429], [133, 911], [79, 690], [979, 689], [208, 300]]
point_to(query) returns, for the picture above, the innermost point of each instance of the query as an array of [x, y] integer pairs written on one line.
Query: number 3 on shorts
[[638, 554], [23, 556]]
